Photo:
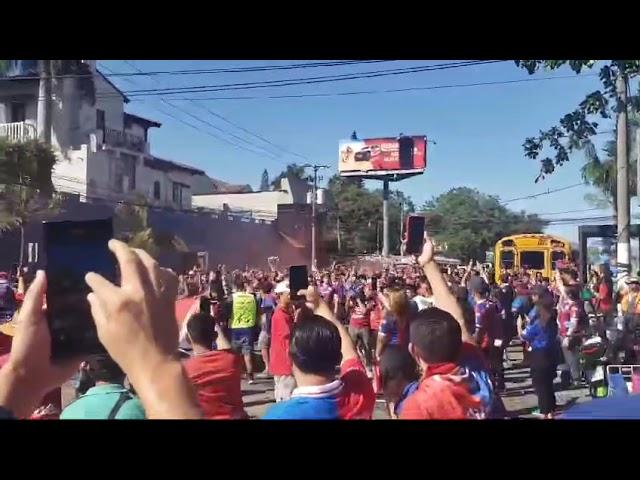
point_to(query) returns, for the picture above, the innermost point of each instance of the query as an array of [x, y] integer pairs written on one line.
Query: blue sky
[[478, 130]]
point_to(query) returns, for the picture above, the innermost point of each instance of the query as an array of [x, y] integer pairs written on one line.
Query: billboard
[[382, 156]]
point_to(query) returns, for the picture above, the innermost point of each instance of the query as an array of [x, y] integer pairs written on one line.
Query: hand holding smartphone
[[415, 234], [74, 249]]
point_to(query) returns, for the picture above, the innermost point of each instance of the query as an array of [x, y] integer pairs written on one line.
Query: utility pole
[[401, 224], [315, 168], [45, 101], [385, 218], [622, 164]]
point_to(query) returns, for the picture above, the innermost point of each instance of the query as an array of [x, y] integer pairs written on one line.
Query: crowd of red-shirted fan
[[429, 341]]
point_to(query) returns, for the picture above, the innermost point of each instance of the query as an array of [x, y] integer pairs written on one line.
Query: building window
[[177, 194], [130, 169], [156, 190], [18, 112]]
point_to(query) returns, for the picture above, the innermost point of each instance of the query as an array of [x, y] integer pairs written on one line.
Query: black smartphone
[[374, 284], [72, 250], [298, 279], [415, 234]]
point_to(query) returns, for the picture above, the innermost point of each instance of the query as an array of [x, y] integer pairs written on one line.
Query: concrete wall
[[234, 241]]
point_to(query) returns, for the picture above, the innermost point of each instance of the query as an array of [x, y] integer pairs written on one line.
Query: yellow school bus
[[536, 252]]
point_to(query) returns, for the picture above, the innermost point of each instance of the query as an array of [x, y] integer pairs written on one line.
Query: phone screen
[[73, 249], [298, 279], [415, 234], [374, 284]]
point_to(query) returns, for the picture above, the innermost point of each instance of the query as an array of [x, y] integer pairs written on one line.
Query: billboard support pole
[[385, 218]]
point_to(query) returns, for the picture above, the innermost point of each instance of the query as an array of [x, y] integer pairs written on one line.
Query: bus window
[[532, 260], [506, 259], [556, 257]]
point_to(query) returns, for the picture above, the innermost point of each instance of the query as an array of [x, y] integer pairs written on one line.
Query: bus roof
[[536, 235]]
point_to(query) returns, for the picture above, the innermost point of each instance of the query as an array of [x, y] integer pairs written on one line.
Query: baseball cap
[[282, 287]]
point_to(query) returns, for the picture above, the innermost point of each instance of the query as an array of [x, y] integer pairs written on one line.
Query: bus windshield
[[506, 259], [532, 260]]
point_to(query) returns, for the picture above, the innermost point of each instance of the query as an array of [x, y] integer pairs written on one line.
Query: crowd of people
[[430, 341]]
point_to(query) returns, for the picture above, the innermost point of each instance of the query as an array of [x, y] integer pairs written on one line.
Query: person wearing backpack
[[108, 399]]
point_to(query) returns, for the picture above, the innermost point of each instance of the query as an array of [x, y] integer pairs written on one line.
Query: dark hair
[[573, 292], [205, 305], [315, 345], [397, 363], [436, 335], [200, 328], [104, 369]]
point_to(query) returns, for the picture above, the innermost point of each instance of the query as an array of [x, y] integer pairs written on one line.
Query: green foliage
[[577, 127], [26, 188], [131, 225], [469, 222], [359, 211], [600, 171], [292, 169]]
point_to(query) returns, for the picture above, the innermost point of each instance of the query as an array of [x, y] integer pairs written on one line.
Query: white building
[[260, 205], [104, 151]]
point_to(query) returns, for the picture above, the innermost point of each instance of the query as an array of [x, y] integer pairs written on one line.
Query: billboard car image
[[381, 156]]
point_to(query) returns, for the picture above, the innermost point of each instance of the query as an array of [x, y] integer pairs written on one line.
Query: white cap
[[282, 287]]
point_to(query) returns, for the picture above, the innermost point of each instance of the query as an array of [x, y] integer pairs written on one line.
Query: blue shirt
[[539, 337], [408, 390], [309, 403], [533, 315]]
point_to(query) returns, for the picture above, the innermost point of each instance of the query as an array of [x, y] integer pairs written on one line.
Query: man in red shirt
[[215, 374], [280, 362]]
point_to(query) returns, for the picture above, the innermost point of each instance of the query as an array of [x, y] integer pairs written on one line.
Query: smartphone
[[72, 250], [298, 279], [374, 284], [415, 234]]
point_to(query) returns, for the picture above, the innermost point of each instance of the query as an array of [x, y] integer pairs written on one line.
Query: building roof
[[124, 97], [205, 185], [146, 123], [166, 165]]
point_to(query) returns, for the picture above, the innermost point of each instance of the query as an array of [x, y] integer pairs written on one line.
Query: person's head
[[634, 284], [435, 337], [537, 292], [538, 277], [424, 288], [545, 305], [568, 275], [573, 292], [239, 284], [479, 288], [283, 295], [201, 330], [397, 369], [410, 290], [398, 303], [314, 347], [103, 369]]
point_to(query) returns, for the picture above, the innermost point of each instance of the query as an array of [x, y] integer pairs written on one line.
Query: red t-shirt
[[375, 317], [279, 361], [604, 298], [360, 317], [357, 398], [216, 378]]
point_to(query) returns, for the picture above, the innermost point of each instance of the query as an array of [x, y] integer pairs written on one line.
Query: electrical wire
[[548, 192]]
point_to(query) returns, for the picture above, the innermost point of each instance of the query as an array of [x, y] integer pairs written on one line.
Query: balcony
[[119, 139], [17, 131]]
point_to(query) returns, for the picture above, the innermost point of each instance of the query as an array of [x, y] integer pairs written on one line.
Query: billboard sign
[[382, 156]]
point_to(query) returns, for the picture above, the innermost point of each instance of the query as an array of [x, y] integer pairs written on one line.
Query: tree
[[26, 189], [469, 222], [355, 217], [601, 172], [131, 225], [264, 181], [575, 129], [292, 169]]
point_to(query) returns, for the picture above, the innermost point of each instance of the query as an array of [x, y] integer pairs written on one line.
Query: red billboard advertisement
[[381, 156]]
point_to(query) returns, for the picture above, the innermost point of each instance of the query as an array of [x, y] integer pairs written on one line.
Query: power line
[[302, 81], [392, 90], [548, 192], [306, 81], [257, 68], [217, 115]]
